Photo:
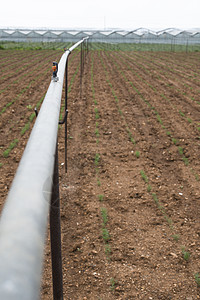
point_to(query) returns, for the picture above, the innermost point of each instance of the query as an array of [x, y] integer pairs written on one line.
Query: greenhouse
[[140, 35]]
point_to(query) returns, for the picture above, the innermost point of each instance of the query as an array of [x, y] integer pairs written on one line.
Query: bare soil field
[[130, 201]]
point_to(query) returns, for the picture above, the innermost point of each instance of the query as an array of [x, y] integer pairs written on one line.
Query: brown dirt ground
[[131, 104]]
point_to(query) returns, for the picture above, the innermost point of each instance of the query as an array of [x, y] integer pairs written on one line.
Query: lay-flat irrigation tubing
[[24, 218]]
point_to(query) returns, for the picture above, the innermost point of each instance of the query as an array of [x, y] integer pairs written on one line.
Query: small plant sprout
[[168, 133], [100, 197], [174, 141], [197, 279], [97, 158], [176, 237], [144, 176], [107, 249], [186, 254], [180, 150], [105, 234], [29, 107], [137, 154], [97, 132], [113, 284], [104, 216], [149, 188]]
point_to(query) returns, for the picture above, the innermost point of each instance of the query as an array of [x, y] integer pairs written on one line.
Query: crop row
[[176, 141], [27, 115], [175, 235]]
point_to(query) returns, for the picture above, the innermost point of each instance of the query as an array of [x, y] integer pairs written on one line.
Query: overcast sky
[[101, 14]]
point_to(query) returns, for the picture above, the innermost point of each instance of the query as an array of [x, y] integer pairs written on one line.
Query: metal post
[[81, 70], [66, 96], [55, 232]]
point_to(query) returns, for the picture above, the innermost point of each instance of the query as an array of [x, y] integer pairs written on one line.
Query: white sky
[[101, 14]]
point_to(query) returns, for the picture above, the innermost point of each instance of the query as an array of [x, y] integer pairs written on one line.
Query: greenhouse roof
[[113, 33]]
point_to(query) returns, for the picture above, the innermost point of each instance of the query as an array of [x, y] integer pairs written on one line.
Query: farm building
[[140, 35]]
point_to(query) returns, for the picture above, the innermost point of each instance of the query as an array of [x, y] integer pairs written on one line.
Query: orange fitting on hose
[[54, 68]]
